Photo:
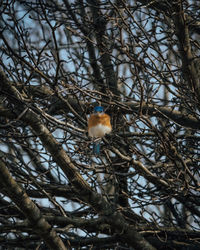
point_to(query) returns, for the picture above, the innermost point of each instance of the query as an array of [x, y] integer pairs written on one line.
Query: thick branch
[[103, 46], [190, 72], [29, 209]]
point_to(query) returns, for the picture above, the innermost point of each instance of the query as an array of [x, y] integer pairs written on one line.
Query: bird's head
[[98, 109]]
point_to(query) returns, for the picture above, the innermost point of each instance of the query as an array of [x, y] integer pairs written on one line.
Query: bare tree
[[140, 61]]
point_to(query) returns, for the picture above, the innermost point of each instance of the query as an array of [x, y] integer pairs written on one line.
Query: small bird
[[98, 126]]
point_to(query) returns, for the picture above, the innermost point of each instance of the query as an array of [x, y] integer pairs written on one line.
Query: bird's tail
[[96, 148]]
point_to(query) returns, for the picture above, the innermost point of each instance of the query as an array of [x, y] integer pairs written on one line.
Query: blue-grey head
[[98, 109]]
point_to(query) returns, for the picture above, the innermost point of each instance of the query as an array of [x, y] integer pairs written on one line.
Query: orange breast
[[96, 119]]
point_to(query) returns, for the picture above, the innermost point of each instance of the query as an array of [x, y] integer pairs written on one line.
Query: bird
[[98, 125]]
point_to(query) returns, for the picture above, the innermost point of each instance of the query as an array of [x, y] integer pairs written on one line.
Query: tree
[[140, 60]]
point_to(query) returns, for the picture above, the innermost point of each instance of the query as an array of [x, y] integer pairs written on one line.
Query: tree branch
[[29, 209]]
